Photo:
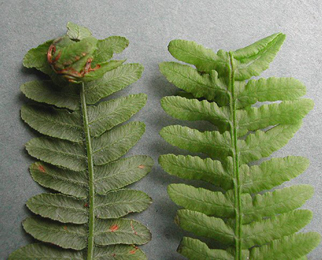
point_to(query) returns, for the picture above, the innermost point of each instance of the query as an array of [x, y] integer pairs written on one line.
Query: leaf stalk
[[90, 165], [237, 184]]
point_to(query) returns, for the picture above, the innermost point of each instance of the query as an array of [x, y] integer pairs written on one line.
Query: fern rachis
[[80, 152], [248, 223]]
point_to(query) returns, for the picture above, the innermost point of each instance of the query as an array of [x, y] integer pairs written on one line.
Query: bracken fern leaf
[[80, 154], [247, 220]]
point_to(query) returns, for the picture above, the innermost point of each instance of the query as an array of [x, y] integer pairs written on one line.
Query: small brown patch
[[86, 205], [41, 168], [141, 166], [113, 228], [135, 233], [65, 227], [133, 251]]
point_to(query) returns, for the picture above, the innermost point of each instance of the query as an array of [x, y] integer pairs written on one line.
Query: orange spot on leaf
[[134, 232], [141, 166], [41, 168], [133, 251], [113, 228], [65, 227]]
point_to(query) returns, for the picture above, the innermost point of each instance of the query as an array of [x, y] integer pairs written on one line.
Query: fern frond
[[248, 220], [80, 152]]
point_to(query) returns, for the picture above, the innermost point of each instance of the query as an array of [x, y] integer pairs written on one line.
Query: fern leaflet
[[81, 150], [247, 222]]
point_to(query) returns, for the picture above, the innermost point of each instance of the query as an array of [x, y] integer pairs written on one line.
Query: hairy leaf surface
[[80, 151]]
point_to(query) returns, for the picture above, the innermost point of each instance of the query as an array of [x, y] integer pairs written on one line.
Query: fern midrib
[[237, 185], [91, 191]]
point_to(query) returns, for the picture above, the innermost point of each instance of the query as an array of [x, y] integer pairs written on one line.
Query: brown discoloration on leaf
[[113, 228], [65, 227], [69, 73], [41, 168], [141, 166], [133, 251], [86, 205], [134, 232]]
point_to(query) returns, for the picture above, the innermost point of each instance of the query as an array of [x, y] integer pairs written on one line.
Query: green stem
[[91, 195], [237, 185]]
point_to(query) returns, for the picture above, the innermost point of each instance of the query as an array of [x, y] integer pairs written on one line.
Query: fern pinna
[[80, 157], [247, 223]]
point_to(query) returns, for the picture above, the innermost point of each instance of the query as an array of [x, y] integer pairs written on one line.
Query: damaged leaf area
[[80, 151], [239, 214]]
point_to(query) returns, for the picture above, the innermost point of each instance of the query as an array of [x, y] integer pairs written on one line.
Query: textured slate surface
[[150, 25]]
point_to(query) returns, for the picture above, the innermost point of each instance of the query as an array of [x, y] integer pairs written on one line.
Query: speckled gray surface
[[150, 25]]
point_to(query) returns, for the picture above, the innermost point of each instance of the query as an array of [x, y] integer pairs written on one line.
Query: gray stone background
[[150, 25]]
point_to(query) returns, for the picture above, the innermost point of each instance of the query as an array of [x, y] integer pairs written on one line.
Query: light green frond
[[188, 79], [255, 58], [277, 202], [270, 89], [254, 118], [202, 200], [202, 225], [195, 249], [287, 112], [263, 144], [271, 173], [264, 231], [193, 110], [195, 168], [290, 247], [190, 52], [210, 142]]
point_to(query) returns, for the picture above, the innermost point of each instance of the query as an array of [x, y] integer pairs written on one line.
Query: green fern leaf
[[80, 152], [194, 249], [47, 92], [77, 32], [247, 225], [59, 179], [59, 207]]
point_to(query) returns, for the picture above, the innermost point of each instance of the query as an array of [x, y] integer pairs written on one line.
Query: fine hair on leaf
[[80, 151], [243, 216]]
